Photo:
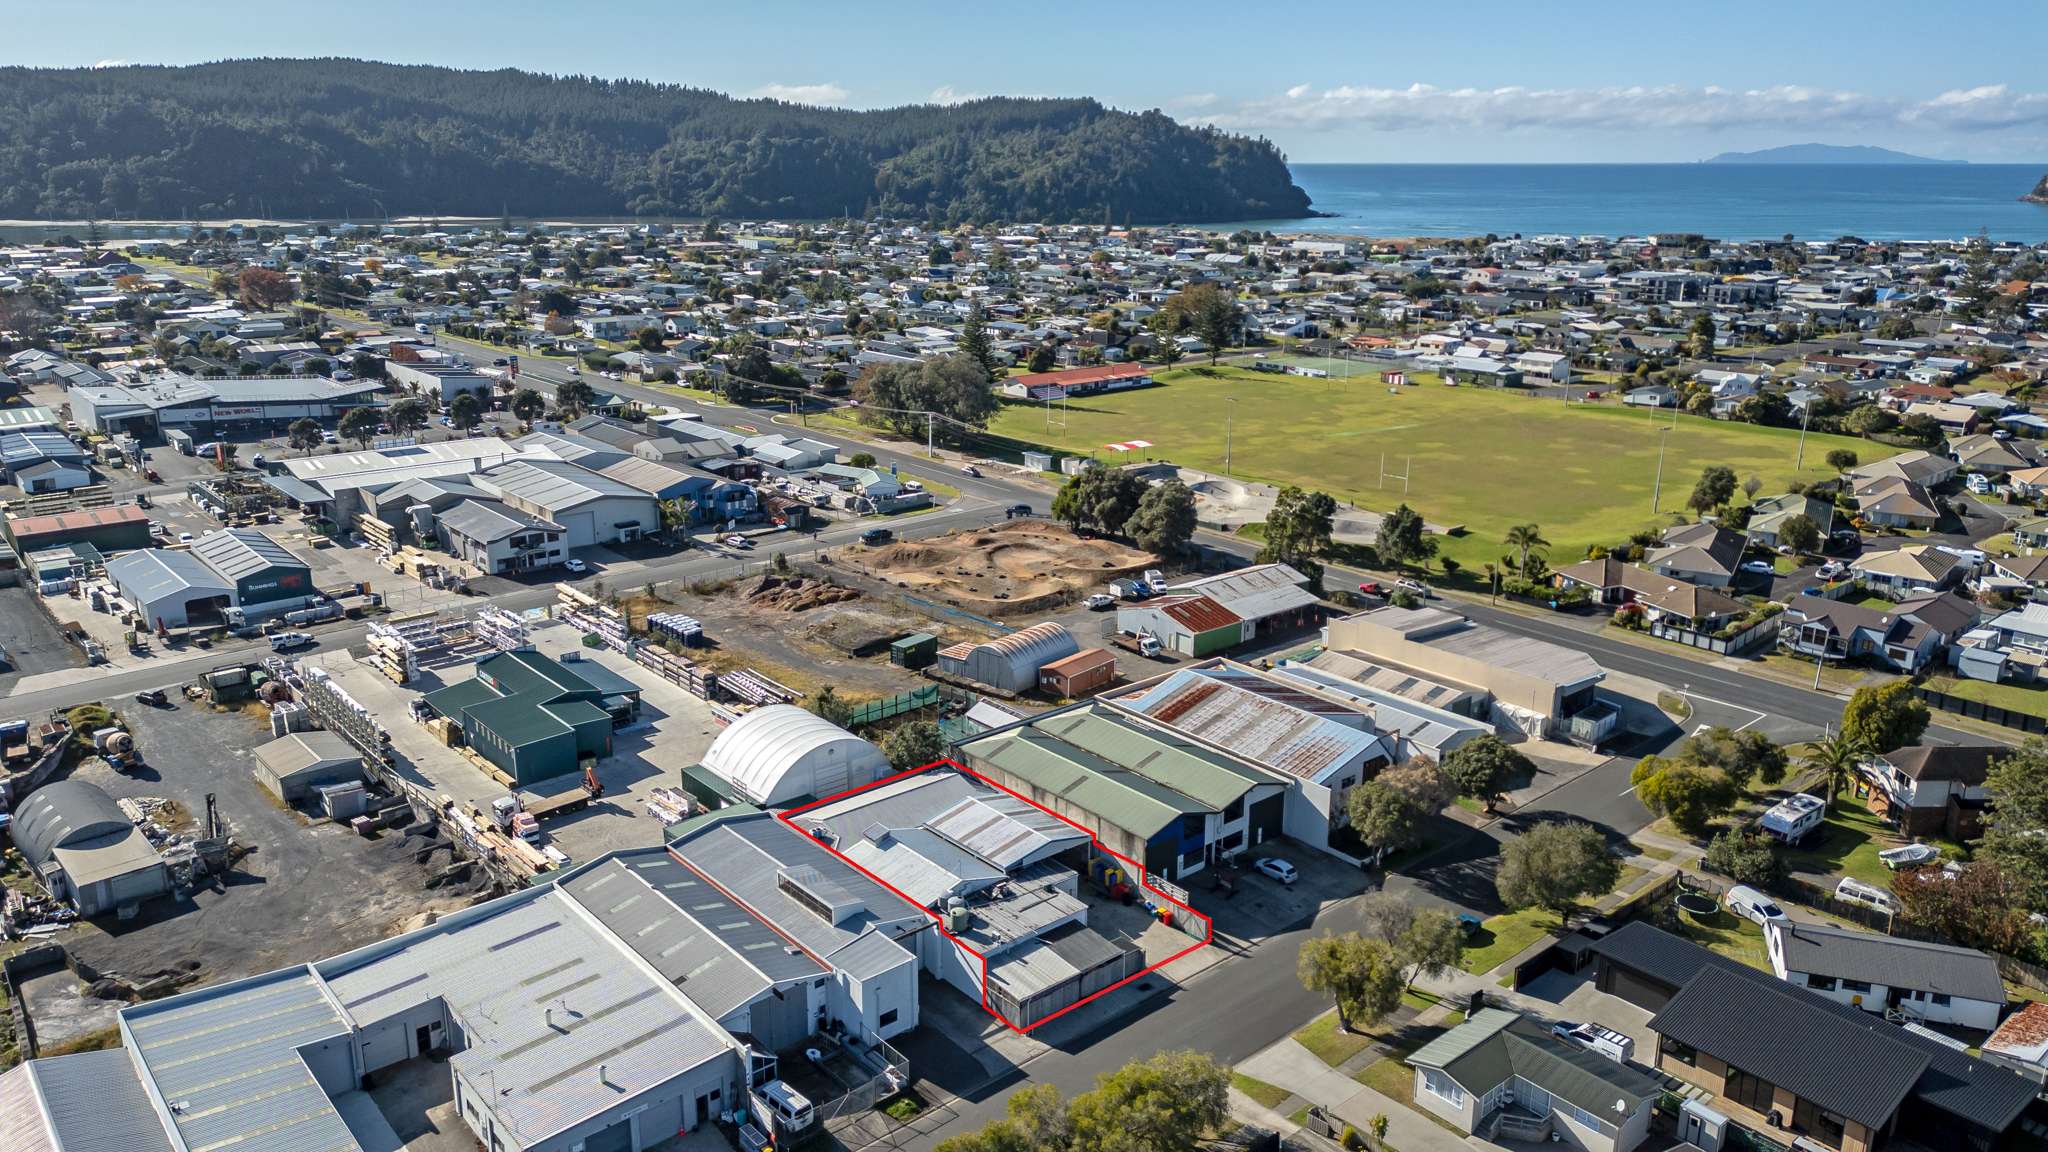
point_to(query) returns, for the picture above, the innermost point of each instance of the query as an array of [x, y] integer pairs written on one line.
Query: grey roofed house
[[1497, 1045], [82, 1102], [1893, 961], [1842, 1065], [1706, 552], [487, 521]]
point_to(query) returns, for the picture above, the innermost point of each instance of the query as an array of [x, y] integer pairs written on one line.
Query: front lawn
[[1500, 937], [1393, 1078], [1333, 1047], [1269, 1095]]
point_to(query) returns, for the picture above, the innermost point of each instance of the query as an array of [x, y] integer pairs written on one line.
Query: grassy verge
[[1269, 1095], [1333, 1047], [2012, 697], [1675, 705], [1500, 937]]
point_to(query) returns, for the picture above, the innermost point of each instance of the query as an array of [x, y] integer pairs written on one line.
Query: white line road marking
[[1754, 715]]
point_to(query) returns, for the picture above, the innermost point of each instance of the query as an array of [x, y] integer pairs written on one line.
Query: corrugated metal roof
[[1196, 613], [554, 485], [65, 812], [920, 864], [1213, 704], [238, 552], [1207, 777], [686, 929], [225, 1061], [23, 1126], [1004, 830], [1256, 592], [870, 954], [544, 999], [150, 574], [95, 1102]]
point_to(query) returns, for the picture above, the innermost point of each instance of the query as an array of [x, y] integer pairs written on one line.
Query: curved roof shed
[[780, 753], [1010, 662], [65, 814]]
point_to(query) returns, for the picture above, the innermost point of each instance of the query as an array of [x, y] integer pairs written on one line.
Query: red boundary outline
[[1134, 868]]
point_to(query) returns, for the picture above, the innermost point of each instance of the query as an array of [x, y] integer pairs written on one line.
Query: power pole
[[1657, 487], [1805, 418], [928, 436]]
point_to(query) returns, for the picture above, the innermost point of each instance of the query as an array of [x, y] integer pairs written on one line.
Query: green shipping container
[[917, 650]]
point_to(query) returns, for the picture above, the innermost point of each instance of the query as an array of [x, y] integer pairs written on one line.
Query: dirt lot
[[309, 889], [799, 630], [1021, 566]]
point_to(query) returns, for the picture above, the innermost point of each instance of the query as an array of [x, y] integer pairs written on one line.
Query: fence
[[1750, 638], [1978, 710], [890, 707]]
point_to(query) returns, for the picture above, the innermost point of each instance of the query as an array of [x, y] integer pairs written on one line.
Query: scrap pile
[[30, 914], [155, 816]]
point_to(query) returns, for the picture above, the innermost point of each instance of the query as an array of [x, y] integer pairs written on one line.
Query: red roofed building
[[1086, 671], [1192, 625], [1078, 381], [116, 528]]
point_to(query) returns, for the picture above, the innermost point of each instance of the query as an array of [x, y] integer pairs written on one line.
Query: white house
[[1555, 367], [1913, 979]]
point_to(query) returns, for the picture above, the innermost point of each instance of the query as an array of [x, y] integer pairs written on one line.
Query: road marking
[[1754, 714]]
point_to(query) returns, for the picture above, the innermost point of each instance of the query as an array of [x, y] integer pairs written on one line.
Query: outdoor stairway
[[1514, 1124]]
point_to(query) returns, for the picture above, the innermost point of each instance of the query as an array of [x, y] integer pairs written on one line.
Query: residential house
[[1923, 468], [1992, 456], [1782, 1059], [1955, 419], [1502, 1076], [1895, 502], [1908, 637], [2031, 532], [1768, 516], [1932, 789], [1915, 980], [1553, 367], [1913, 569], [1651, 396], [1662, 598], [1701, 553]]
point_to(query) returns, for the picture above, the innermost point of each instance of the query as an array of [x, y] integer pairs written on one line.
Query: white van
[[1854, 891], [1752, 905]]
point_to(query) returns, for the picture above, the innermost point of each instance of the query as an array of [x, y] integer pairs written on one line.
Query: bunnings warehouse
[[212, 404]]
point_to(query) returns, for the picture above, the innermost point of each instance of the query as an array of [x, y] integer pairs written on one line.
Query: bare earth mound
[[1019, 566]]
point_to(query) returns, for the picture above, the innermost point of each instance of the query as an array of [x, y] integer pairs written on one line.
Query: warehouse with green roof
[[538, 718], [1147, 793]]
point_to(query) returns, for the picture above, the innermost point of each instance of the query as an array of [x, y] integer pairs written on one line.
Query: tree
[[1869, 420], [1386, 915], [1427, 784], [1884, 717], [1699, 341], [1432, 945], [1525, 538], [1842, 459], [1167, 1102], [1069, 505], [1385, 818], [914, 745], [1741, 756], [1042, 358], [465, 411], [1745, 858], [304, 434], [861, 460], [1362, 976], [1551, 866], [897, 396], [527, 405], [573, 398], [263, 288], [1799, 532], [1979, 905], [650, 339], [1217, 322], [360, 425], [1402, 538], [1715, 488], [406, 415], [1486, 768], [1165, 518], [1835, 759], [1690, 794], [974, 341], [826, 703], [2016, 824], [1298, 532]]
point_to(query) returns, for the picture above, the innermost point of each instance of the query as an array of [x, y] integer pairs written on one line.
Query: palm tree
[[1835, 759], [1526, 538]]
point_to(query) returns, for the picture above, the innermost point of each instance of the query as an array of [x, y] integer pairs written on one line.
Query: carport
[[170, 589]]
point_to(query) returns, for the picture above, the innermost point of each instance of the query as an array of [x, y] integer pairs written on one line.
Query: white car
[[575, 565], [969, 470], [1414, 588], [737, 541], [184, 537], [1099, 601], [286, 641], [1279, 870], [1760, 567], [1831, 569], [1752, 905], [1908, 855]]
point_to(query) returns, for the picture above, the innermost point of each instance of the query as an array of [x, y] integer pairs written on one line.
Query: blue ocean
[[1727, 201]]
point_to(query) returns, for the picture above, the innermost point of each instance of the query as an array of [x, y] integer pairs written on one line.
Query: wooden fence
[[1753, 637]]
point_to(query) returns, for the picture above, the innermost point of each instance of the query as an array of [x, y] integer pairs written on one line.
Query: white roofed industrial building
[[780, 753], [1011, 662]]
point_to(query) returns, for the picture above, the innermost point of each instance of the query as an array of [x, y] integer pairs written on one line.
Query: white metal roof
[[760, 752]]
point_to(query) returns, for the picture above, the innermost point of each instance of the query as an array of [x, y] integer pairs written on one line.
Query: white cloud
[[802, 93], [1661, 108], [947, 94], [1195, 100], [112, 63]]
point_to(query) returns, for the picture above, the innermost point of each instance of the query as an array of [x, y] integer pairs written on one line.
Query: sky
[[1563, 81]]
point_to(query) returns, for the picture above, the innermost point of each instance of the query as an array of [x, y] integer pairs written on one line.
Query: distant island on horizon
[[1825, 154]]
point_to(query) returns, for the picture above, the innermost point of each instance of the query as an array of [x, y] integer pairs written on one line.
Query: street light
[[1231, 401], [1657, 487]]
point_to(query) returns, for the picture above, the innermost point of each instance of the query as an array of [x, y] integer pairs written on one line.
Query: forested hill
[[350, 138]]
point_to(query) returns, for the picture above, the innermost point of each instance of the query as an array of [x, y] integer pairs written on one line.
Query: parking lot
[[307, 888]]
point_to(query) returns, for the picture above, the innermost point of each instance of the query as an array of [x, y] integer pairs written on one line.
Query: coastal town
[[913, 662]]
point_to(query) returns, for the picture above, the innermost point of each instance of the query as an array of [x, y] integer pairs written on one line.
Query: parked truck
[[1143, 643], [520, 813]]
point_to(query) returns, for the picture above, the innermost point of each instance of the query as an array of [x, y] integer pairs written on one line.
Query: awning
[[296, 490]]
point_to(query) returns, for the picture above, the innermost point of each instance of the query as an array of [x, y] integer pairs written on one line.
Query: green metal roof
[[1496, 1044], [527, 671], [450, 701], [1158, 755], [517, 720]]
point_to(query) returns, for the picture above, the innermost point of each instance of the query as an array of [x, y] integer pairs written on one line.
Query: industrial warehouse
[[214, 404], [234, 570]]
